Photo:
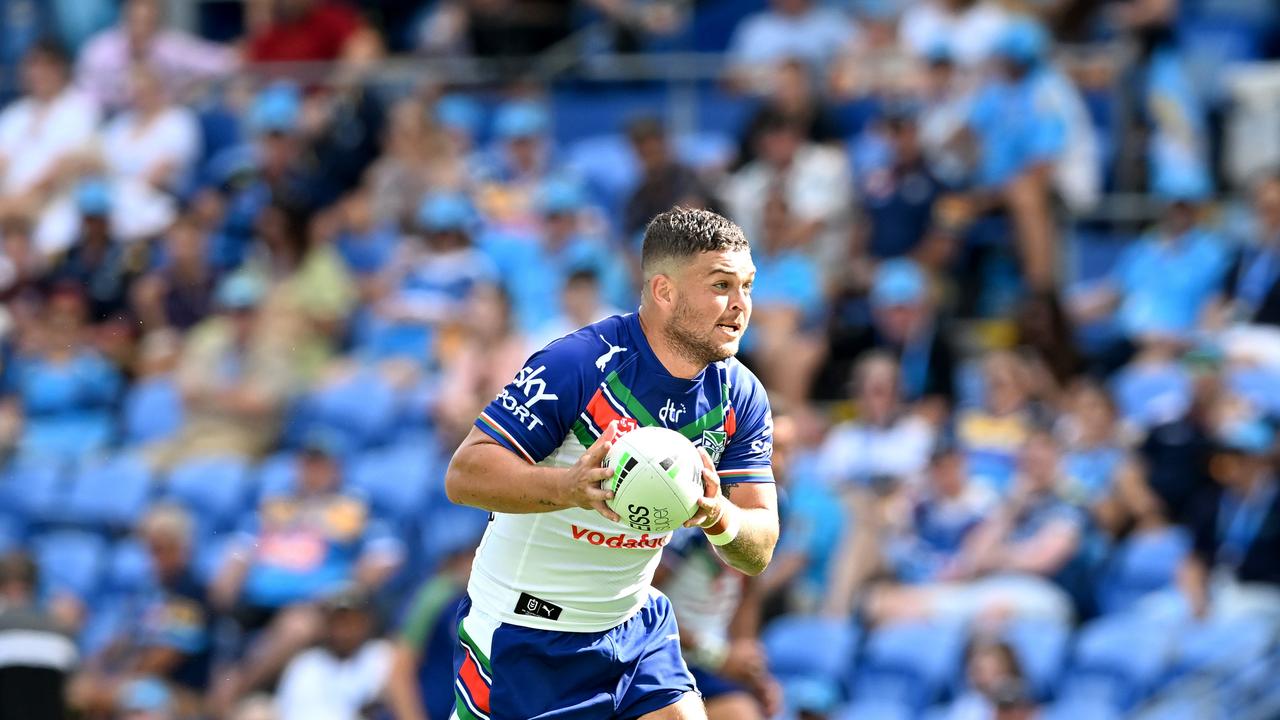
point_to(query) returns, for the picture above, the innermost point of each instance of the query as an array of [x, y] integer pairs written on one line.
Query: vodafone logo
[[620, 541]]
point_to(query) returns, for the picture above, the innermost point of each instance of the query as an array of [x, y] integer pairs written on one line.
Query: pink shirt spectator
[[179, 58]]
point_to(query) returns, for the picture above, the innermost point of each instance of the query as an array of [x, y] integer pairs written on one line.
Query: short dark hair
[[17, 567], [682, 232], [48, 48]]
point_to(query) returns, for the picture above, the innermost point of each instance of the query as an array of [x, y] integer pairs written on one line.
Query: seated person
[[992, 435], [1007, 565], [293, 551]]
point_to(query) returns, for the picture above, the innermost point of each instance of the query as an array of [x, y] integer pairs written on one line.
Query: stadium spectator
[[418, 155], [581, 304], [1006, 568], [347, 673], [64, 391], [43, 135], [494, 28], [814, 180], [898, 196], [421, 683], [152, 140], [284, 31], [786, 349], [945, 98], [791, 94], [664, 181], [801, 29], [36, 654], [992, 674], [1251, 289], [1234, 568], [177, 59], [234, 377], [178, 293], [972, 27], [297, 549], [515, 166]]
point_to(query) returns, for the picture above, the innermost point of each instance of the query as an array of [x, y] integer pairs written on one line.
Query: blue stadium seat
[[607, 166], [37, 487], [110, 493], [445, 528], [396, 480], [1080, 710], [810, 647], [1041, 648], [1259, 385], [909, 663], [1118, 660], [11, 532], [129, 569], [1150, 395], [706, 150], [876, 710], [152, 410], [1142, 564], [360, 410], [210, 554], [1221, 648], [277, 475], [109, 619], [215, 490], [70, 561]]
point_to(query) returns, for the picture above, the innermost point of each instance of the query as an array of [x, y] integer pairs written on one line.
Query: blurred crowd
[[254, 294]]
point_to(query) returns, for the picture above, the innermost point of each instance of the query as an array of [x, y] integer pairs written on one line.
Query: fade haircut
[[681, 233]]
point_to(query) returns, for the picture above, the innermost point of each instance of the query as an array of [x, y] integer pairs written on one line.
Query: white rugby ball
[[656, 481]]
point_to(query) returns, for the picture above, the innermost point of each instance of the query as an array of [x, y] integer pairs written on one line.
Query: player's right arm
[[496, 467], [486, 475]]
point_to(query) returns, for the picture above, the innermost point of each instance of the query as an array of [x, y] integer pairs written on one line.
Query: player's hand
[[582, 480], [745, 662], [711, 506]]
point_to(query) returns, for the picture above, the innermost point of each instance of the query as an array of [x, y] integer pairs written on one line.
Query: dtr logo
[[670, 412]]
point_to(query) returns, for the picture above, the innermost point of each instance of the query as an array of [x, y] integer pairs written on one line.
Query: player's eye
[[746, 287], [722, 285]]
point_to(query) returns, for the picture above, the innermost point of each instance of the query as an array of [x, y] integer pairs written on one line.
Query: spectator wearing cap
[[177, 58], [345, 676], [566, 239], [43, 133], [1251, 286], [665, 182], [234, 377], [884, 449], [517, 163], [146, 698], [1163, 284], [1233, 570], [786, 348], [1033, 136], [814, 181], [898, 195], [801, 29], [36, 655], [98, 262], [296, 549], [420, 154], [63, 389], [152, 141]]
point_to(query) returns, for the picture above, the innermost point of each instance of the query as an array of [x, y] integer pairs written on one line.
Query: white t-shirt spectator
[[133, 150], [319, 686], [179, 59], [857, 453], [768, 37], [970, 34], [34, 137]]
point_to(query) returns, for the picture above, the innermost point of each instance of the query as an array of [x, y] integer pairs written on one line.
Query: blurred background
[[263, 261]]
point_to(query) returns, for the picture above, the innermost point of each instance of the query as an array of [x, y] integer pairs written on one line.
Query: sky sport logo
[[620, 541]]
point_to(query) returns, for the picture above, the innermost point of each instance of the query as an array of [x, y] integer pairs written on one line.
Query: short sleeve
[[748, 453], [536, 410]]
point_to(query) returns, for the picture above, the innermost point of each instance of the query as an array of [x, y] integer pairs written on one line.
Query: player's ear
[[662, 290]]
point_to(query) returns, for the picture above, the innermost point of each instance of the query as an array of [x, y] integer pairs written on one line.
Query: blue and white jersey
[[573, 569]]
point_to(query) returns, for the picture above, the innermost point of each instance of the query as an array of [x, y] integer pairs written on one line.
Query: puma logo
[[604, 359]]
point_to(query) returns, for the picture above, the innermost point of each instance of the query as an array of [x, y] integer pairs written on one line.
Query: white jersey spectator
[[970, 27], [154, 142], [790, 29]]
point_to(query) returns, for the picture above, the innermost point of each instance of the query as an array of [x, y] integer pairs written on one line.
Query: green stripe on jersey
[[629, 401], [581, 432]]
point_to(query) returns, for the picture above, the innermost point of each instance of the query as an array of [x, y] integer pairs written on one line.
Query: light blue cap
[[459, 112], [560, 196], [898, 282], [520, 119], [1251, 435], [240, 290], [1024, 40], [93, 196], [445, 211], [1182, 181], [145, 695], [277, 108]]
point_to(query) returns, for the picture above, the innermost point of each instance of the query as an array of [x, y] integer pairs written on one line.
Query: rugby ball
[[656, 481]]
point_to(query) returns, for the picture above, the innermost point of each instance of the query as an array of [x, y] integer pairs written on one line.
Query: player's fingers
[[710, 483], [595, 476], [596, 494], [703, 512], [600, 448], [605, 511], [706, 459]]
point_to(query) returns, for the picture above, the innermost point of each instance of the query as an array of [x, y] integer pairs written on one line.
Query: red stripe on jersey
[[730, 423], [601, 411]]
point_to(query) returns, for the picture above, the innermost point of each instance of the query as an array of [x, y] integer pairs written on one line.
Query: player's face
[[712, 304]]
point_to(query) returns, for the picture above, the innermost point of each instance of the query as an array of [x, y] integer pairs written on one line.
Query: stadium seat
[[706, 151], [810, 647], [606, 164], [1152, 395], [108, 620], [71, 561], [110, 493], [876, 710], [152, 411], [360, 410], [37, 487], [1080, 710], [1144, 563], [1041, 648], [214, 489], [396, 480], [1220, 648], [909, 663], [277, 475], [129, 568], [210, 555], [1118, 660]]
